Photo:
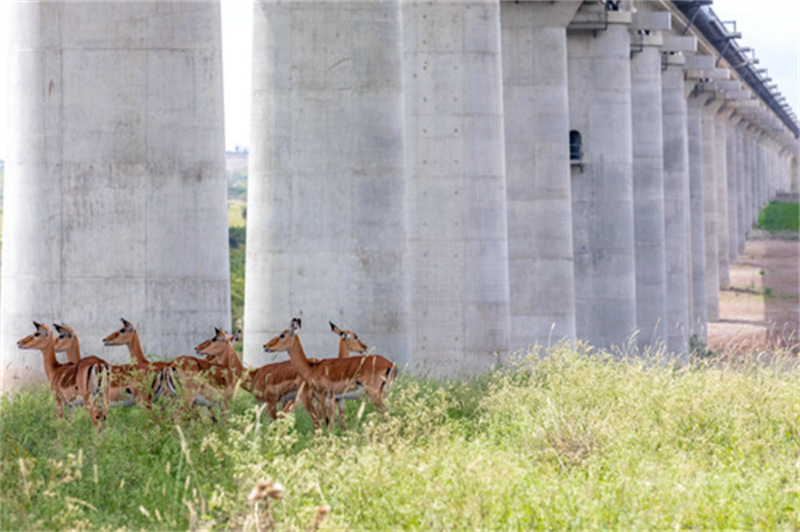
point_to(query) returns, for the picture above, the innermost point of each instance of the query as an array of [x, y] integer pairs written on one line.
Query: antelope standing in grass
[[348, 343], [85, 382], [332, 377], [124, 378], [148, 376], [271, 384]]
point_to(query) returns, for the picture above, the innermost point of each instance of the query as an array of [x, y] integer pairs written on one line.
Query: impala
[[348, 343], [123, 380], [272, 384], [202, 382], [328, 378], [84, 382], [148, 382]]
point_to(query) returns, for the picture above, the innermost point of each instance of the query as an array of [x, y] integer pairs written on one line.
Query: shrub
[[780, 216]]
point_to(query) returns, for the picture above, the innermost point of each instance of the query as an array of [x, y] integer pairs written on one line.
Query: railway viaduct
[[454, 180]]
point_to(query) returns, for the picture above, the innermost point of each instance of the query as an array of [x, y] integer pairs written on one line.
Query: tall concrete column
[[699, 316], [456, 192], [676, 205], [762, 173], [648, 186], [721, 154], [743, 184], [710, 170], [733, 170], [602, 189], [535, 95], [750, 180], [115, 184], [326, 199]]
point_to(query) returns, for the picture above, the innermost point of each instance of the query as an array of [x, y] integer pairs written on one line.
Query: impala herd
[[320, 385]]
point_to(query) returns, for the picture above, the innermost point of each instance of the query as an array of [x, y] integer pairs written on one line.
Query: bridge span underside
[[453, 180]]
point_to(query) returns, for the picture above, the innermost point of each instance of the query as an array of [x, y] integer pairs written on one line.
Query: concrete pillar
[[698, 237], [115, 185], [710, 170], [723, 236], [648, 192], [749, 173], [535, 96], [763, 171], [602, 189], [326, 220], [733, 171], [744, 183], [456, 193], [676, 205]]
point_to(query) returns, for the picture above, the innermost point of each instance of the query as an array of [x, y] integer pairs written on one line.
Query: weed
[[567, 438]]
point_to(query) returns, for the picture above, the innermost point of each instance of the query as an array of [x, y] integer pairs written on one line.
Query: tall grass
[[571, 440]]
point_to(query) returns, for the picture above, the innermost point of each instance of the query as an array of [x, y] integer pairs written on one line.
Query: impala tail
[[389, 377]]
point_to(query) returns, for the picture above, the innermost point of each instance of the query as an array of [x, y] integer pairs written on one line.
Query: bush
[[780, 216], [237, 236]]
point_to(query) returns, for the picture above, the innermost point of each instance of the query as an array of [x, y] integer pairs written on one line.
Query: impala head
[[39, 339], [121, 336], [66, 336], [285, 339], [350, 339], [215, 345]]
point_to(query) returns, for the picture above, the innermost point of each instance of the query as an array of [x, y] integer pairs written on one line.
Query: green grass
[[780, 216], [236, 213], [572, 441]]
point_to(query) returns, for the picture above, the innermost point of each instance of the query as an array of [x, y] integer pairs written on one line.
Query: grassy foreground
[[572, 441]]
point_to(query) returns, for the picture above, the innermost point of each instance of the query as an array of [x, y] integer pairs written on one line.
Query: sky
[[770, 27]]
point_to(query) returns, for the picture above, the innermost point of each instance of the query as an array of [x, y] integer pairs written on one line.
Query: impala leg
[[330, 411], [272, 409], [377, 399], [309, 400], [341, 405]]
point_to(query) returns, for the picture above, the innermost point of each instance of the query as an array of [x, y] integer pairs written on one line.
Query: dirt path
[[761, 310]]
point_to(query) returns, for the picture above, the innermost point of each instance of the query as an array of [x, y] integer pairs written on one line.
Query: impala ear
[[37, 324], [126, 323], [296, 324], [57, 327], [334, 328], [216, 331]]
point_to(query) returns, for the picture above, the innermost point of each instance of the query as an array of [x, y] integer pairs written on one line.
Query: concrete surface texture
[[720, 151], [733, 171], [648, 192], [456, 190], [602, 190], [710, 205], [676, 208], [115, 189], [535, 95], [697, 205], [326, 219]]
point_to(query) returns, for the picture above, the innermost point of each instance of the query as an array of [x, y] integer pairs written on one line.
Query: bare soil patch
[[761, 310]]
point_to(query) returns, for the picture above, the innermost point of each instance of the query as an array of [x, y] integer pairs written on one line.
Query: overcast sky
[[770, 27]]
